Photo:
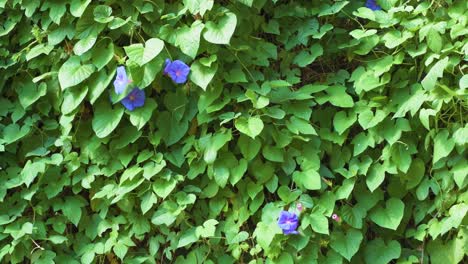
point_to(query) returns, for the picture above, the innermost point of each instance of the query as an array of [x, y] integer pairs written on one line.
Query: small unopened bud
[[336, 217], [299, 207]]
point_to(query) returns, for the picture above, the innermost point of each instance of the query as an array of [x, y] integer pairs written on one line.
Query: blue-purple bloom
[[121, 80], [372, 5], [177, 70], [288, 222], [135, 99]]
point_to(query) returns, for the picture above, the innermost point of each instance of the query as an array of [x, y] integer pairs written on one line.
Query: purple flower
[[135, 99], [177, 70], [288, 222], [372, 5], [121, 80]]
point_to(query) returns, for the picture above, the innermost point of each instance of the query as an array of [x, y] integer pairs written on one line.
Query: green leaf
[[310, 179], [202, 75], [255, 125], [98, 83], [305, 58], [143, 54], [450, 252], [265, 233], [72, 72], [442, 146], [198, 6], [337, 96], [216, 143], [102, 14], [434, 73], [140, 116], [463, 83], [71, 208], [415, 174], [300, 126], [375, 177], [188, 38], [13, 132], [163, 188], [378, 252], [319, 223], [333, 9], [29, 93], [368, 119], [221, 32], [102, 54], [221, 175], [172, 130], [246, 2], [57, 239], [287, 195], [39, 50], [147, 201], [359, 33], [77, 7], [390, 216], [188, 237], [83, 45], [106, 118], [249, 147], [434, 40], [235, 75], [346, 244], [395, 38], [344, 120], [208, 229], [31, 170], [273, 153], [251, 127], [120, 250], [118, 22], [72, 98]]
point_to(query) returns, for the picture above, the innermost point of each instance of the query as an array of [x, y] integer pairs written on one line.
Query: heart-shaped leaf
[[377, 252], [221, 32], [105, 118], [143, 54], [72, 72], [252, 127], [390, 216], [347, 245], [343, 121], [188, 38], [202, 75], [163, 188]]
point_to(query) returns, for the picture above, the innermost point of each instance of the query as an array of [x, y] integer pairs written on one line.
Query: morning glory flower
[[288, 222], [372, 5], [121, 80], [177, 70], [135, 99]]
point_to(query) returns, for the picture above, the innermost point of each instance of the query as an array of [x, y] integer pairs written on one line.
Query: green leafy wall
[[328, 105]]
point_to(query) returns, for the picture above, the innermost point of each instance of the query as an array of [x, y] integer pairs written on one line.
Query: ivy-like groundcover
[[240, 131]]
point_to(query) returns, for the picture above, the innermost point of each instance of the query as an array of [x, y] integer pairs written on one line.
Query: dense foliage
[[345, 118]]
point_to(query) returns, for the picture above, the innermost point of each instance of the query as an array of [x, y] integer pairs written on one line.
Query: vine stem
[[422, 251], [168, 53], [36, 247]]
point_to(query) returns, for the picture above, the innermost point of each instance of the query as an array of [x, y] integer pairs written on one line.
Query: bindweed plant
[[241, 131]]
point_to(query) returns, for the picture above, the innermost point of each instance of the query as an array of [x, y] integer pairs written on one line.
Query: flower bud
[[299, 207], [336, 218]]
